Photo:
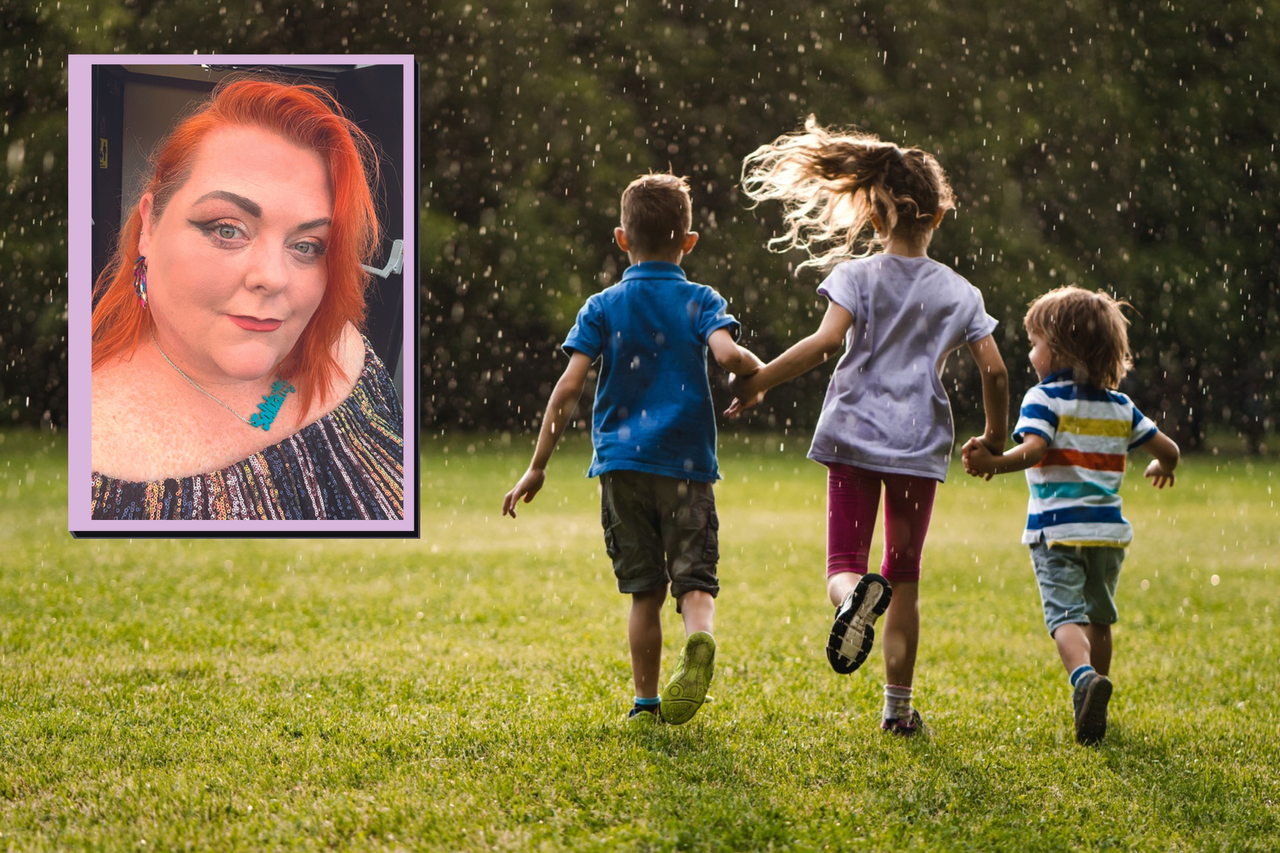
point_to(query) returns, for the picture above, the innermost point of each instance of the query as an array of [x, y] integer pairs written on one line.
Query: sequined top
[[347, 465]]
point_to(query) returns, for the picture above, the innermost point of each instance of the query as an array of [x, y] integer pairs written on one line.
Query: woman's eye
[[223, 231], [309, 248]]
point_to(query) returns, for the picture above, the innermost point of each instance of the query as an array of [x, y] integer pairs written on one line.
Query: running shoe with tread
[[853, 630], [687, 689]]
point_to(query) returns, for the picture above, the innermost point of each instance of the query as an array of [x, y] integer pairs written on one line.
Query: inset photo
[[243, 319]]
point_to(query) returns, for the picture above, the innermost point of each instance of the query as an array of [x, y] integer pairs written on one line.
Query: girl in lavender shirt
[[866, 210]]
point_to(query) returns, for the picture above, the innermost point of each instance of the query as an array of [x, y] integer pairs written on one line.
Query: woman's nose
[[266, 271]]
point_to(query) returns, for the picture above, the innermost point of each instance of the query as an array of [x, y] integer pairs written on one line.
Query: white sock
[[897, 702], [1079, 672]]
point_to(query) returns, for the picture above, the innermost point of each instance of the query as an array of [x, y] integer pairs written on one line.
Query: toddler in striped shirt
[[1075, 432]]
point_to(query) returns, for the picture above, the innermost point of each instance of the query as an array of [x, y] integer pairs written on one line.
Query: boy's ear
[[937, 218], [690, 240], [620, 237]]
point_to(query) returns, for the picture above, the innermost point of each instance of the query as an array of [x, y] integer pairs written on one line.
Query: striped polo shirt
[[1075, 488]]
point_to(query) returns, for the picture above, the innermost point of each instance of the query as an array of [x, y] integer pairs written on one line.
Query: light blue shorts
[[1077, 583]]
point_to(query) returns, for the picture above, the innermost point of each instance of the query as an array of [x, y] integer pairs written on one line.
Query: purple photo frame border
[[79, 310]]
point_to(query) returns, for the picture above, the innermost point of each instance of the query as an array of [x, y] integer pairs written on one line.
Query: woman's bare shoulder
[[351, 355], [119, 414]]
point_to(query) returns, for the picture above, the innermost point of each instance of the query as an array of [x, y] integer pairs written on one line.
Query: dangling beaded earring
[[140, 281]]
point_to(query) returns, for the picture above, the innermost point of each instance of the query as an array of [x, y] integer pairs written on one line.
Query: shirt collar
[[654, 269], [1064, 375]]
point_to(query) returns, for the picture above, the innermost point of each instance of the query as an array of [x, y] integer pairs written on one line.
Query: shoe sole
[[853, 632], [687, 689], [1091, 725]]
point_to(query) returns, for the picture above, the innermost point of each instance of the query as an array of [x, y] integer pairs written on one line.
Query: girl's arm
[[995, 392], [1166, 454], [800, 358], [564, 399]]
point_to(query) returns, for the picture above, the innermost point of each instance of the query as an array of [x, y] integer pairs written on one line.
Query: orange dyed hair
[[308, 117]]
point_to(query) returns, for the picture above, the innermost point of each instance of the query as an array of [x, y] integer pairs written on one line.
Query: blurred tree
[[33, 220], [1127, 148]]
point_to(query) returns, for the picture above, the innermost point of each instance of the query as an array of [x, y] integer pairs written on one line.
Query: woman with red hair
[[230, 380]]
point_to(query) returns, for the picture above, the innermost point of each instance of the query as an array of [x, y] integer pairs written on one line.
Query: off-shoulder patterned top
[[347, 465]]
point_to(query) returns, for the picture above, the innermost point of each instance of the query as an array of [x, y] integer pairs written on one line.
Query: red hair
[[310, 118]]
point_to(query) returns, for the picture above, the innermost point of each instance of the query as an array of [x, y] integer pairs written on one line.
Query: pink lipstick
[[253, 324]]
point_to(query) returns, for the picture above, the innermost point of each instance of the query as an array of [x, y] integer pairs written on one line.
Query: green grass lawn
[[466, 691]]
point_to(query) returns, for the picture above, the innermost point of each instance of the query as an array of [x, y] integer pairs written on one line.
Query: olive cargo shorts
[[660, 530]]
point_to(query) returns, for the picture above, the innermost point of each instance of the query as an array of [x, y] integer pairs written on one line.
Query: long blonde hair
[[832, 181]]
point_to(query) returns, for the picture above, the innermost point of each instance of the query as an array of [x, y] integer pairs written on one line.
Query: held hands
[[978, 458], [530, 484], [747, 392], [1159, 476]]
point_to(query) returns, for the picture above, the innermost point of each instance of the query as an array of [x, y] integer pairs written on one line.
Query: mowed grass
[[466, 691]]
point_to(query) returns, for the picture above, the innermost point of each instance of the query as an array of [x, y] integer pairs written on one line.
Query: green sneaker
[[643, 718], [687, 689]]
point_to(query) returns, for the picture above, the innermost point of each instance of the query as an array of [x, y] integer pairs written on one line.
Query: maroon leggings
[[852, 498]]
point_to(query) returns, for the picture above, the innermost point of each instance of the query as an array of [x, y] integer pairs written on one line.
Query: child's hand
[[530, 484], [746, 393], [738, 382], [977, 459], [1159, 476]]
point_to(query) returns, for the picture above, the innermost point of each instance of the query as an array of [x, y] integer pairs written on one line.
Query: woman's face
[[235, 263]]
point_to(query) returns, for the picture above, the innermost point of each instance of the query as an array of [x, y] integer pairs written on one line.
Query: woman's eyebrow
[[254, 209], [250, 207]]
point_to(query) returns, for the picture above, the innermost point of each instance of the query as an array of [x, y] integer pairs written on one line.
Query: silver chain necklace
[[267, 409]]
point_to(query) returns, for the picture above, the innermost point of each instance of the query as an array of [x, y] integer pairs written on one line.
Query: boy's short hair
[[1086, 330], [657, 213]]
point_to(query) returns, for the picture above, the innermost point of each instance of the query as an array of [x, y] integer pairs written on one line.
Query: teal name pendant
[[270, 405]]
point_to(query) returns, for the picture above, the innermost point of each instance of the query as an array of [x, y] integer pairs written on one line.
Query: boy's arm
[[564, 399], [731, 355], [995, 393], [1166, 454], [802, 357], [979, 461]]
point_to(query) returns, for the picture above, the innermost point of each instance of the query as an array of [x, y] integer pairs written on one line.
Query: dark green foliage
[[1129, 148]]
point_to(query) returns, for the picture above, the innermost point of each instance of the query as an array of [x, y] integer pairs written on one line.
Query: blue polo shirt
[[653, 410]]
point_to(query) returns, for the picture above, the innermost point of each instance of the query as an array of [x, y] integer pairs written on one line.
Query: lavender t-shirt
[[886, 409]]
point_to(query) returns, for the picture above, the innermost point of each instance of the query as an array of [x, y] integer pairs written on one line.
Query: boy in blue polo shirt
[[654, 435]]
